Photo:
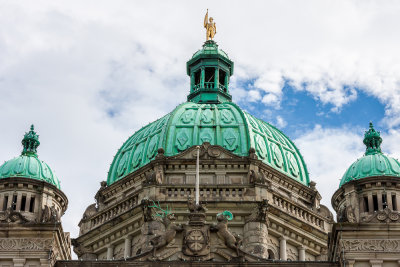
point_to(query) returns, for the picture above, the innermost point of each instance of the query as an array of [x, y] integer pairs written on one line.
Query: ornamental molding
[[385, 216], [11, 216], [374, 245], [25, 243]]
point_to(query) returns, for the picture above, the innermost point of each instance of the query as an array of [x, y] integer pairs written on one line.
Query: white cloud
[[66, 65], [280, 122], [328, 152]]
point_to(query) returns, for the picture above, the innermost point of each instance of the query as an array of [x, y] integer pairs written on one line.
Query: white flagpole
[[197, 176]]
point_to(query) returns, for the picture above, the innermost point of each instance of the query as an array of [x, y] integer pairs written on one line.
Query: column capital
[[282, 237]]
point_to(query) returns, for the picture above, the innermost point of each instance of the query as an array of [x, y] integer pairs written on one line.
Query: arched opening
[[271, 255]]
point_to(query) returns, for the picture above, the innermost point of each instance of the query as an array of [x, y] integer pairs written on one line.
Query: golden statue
[[210, 27]]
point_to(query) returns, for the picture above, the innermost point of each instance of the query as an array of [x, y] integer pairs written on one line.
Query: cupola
[[374, 162], [209, 69], [28, 165]]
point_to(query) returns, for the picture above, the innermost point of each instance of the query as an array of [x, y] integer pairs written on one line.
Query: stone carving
[[291, 254], [346, 214], [193, 207], [147, 210], [325, 212], [154, 177], [90, 211], [25, 243], [230, 240], [49, 215], [99, 196], [196, 240], [119, 253], [12, 216], [260, 213], [162, 240], [374, 245], [252, 153], [384, 216]]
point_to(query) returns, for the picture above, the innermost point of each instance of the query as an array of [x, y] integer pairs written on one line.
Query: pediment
[[207, 151]]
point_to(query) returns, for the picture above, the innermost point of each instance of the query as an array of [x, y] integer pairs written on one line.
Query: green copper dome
[[223, 124], [28, 165], [374, 162], [209, 116]]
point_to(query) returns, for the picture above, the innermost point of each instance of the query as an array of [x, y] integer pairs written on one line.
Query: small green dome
[[210, 48], [223, 124], [28, 165], [374, 162]]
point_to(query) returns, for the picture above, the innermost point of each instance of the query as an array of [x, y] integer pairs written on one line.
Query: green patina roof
[[209, 116], [223, 124], [209, 48], [28, 165], [374, 162]]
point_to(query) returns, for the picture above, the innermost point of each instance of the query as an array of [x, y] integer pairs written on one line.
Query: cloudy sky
[[89, 74]]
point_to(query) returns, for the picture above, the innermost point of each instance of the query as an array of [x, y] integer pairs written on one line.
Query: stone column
[[10, 199], [110, 252], [397, 202], [128, 246], [302, 253], [282, 248], [19, 199], [28, 201], [370, 203], [1, 201], [19, 262], [380, 204], [255, 239], [389, 200]]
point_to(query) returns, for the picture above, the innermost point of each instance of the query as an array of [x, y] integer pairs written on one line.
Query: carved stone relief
[[374, 245], [25, 243], [11, 216]]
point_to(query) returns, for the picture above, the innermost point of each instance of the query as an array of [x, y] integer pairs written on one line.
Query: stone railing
[[298, 212], [114, 211], [208, 192]]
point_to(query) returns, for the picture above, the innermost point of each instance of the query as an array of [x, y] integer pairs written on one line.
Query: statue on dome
[[210, 26]]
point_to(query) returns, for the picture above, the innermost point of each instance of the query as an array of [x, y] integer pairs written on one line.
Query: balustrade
[[297, 212], [106, 215]]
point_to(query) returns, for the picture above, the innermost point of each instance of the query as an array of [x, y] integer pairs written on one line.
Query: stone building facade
[[257, 205]]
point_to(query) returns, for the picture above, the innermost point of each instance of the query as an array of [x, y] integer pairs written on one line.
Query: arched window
[[271, 255]]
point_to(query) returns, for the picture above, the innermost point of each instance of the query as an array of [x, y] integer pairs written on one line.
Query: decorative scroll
[[25, 243], [381, 245]]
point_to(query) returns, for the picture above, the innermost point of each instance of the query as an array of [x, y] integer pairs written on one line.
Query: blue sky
[[89, 74], [299, 110]]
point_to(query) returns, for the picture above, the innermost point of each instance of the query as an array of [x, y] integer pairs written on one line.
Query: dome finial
[[30, 142], [373, 140]]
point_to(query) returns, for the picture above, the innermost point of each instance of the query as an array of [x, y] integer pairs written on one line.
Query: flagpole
[[197, 189]]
